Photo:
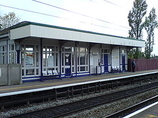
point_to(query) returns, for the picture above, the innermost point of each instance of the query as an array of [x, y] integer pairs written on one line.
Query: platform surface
[[150, 111], [66, 81]]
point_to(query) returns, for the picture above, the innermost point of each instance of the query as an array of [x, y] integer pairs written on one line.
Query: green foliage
[[150, 24], [135, 17], [135, 54], [8, 20], [136, 24]]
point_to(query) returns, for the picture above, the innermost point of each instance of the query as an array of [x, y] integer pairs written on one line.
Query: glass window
[[68, 49], [73, 59], [56, 56], [11, 57], [23, 72], [30, 72], [29, 47], [3, 54], [22, 47], [37, 71], [11, 47], [2, 48], [22, 58], [86, 68], [82, 68], [12, 54], [37, 60], [82, 50], [56, 48], [73, 69], [30, 60], [50, 58], [82, 59]]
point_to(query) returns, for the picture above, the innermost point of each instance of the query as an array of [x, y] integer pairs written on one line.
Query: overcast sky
[[104, 16]]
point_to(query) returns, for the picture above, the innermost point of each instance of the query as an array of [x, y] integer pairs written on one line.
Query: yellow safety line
[[150, 116]]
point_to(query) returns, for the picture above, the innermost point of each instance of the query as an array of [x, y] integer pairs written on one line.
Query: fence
[[143, 64]]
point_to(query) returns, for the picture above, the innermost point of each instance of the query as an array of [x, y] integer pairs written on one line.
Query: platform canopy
[[31, 29]]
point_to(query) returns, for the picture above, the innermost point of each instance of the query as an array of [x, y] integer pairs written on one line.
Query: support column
[[41, 59], [76, 43], [17, 47], [60, 59], [89, 48]]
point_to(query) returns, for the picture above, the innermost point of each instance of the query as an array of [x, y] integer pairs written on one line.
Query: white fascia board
[[72, 35], [20, 32], [63, 34]]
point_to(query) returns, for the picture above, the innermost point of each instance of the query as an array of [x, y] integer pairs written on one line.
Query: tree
[[135, 17], [150, 24], [8, 20], [132, 54]]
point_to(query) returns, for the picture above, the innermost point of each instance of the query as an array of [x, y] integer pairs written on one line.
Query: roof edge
[[24, 23]]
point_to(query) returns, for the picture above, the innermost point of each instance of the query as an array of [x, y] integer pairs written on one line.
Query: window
[[68, 59], [82, 59], [12, 54], [50, 59], [30, 60], [3, 54]]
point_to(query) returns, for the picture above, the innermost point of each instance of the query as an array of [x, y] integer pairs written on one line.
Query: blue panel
[[123, 62], [68, 64], [105, 62]]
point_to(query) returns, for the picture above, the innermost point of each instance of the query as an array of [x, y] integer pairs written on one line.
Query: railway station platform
[[71, 81], [150, 111]]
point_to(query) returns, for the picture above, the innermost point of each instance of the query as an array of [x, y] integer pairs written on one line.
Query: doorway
[[106, 63], [123, 62], [67, 64]]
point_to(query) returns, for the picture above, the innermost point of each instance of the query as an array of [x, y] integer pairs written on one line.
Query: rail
[[74, 107], [133, 108], [72, 91]]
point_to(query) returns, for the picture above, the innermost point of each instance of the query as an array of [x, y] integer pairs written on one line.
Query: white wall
[[115, 57], [94, 58]]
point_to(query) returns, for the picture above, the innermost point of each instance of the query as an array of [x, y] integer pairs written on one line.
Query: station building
[[48, 52]]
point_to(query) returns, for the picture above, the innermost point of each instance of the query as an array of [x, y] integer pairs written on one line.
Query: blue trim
[[31, 77], [86, 74], [35, 80], [41, 59], [18, 56], [83, 73], [55, 77]]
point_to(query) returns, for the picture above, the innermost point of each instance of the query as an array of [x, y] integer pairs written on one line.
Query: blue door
[[67, 64], [123, 62], [105, 62]]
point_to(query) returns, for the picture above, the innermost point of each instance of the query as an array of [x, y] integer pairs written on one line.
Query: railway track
[[70, 92], [133, 108], [74, 107]]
